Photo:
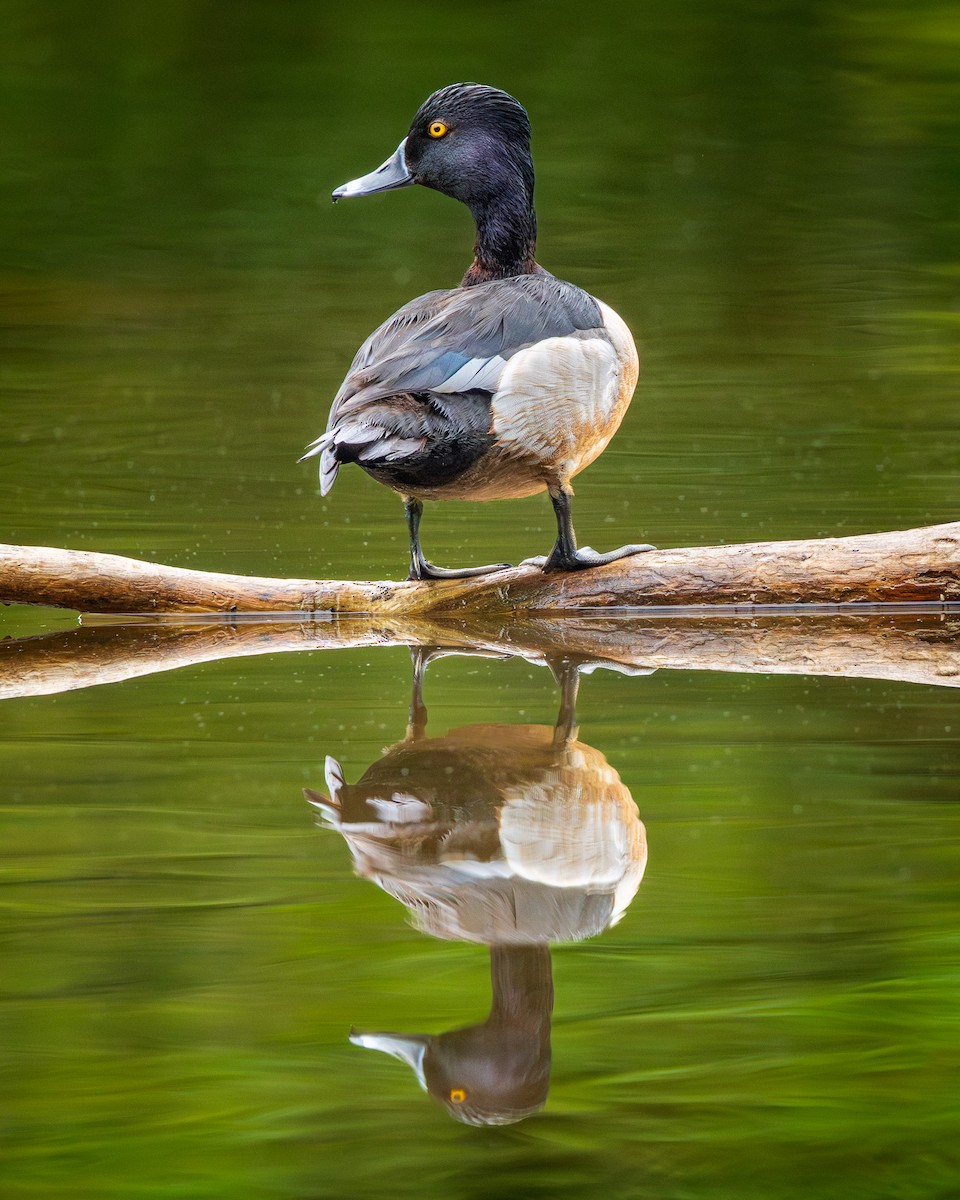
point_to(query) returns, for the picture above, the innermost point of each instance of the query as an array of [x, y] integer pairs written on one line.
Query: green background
[[768, 194]]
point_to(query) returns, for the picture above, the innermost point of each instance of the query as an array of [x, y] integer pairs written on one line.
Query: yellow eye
[[457, 1096], [436, 129]]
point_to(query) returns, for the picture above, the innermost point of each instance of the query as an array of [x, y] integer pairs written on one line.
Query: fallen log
[[894, 645], [908, 565]]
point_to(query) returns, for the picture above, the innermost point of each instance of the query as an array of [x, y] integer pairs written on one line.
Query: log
[[915, 647], [908, 565]]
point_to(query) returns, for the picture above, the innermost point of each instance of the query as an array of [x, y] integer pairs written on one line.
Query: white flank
[[557, 401], [589, 845]]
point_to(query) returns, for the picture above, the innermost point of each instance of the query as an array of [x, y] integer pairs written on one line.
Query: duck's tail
[[324, 446], [365, 442]]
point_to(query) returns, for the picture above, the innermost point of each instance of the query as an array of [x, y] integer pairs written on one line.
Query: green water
[[768, 195]]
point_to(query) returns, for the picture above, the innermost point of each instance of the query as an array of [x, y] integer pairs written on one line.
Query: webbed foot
[[582, 559], [426, 570]]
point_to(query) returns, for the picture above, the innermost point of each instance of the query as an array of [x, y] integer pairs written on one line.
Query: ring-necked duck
[[511, 836], [494, 833], [505, 386]]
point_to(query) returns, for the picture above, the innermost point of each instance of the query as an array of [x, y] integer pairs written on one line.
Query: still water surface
[[768, 194], [187, 952]]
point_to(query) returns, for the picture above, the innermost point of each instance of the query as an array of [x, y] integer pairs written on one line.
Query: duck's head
[[467, 140], [497, 1071]]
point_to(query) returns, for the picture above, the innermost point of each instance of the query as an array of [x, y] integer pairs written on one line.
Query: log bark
[[908, 565], [918, 647]]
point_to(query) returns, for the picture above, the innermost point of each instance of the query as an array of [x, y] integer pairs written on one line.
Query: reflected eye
[[436, 129], [457, 1096]]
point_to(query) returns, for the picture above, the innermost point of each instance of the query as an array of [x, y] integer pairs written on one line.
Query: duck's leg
[[565, 556], [417, 721], [567, 674], [419, 567]]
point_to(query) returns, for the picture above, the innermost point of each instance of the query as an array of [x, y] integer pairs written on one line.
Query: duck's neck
[[506, 235]]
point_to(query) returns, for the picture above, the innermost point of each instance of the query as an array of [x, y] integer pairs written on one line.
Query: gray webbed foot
[[582, 559], [426, 570]]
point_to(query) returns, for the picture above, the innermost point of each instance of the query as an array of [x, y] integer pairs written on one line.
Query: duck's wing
[[402, 389]]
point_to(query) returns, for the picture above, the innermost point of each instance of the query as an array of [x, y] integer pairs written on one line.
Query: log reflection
[[917, 645]]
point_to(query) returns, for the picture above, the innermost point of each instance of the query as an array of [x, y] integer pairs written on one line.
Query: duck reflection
[[513, 836]]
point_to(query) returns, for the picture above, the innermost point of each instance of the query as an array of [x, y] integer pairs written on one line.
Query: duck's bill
[[409, 1048], [391, 174]]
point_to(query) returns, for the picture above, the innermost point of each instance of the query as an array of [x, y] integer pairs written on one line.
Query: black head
[[462, 139], [498, 1071], [471, 142]]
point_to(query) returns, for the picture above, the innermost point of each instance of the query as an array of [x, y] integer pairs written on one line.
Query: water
[[186, 952], [768, 196]]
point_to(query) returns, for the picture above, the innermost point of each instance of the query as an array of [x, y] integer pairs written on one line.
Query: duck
[[503, 387], [513, 837], [493, 833]]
